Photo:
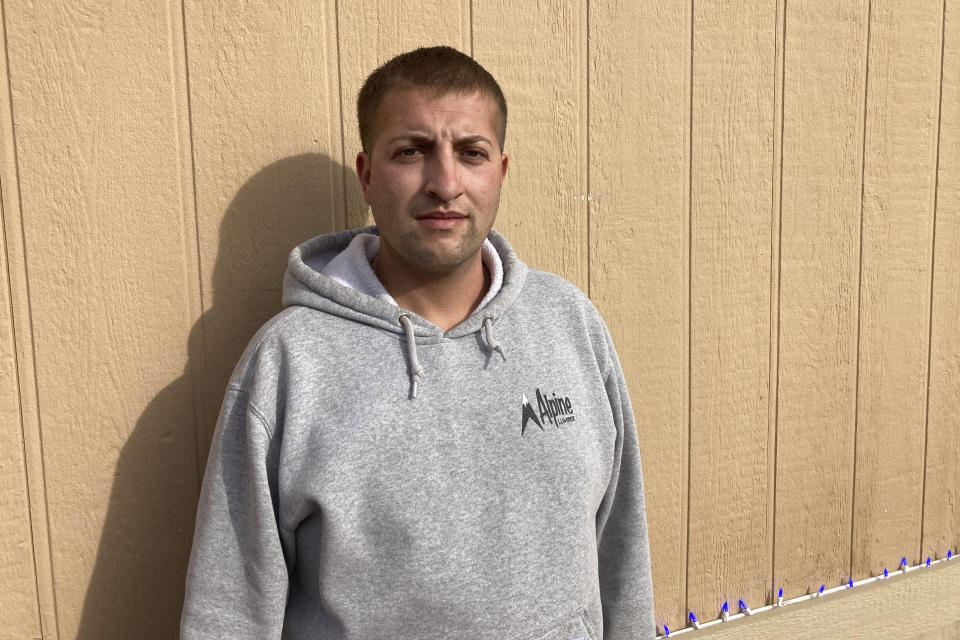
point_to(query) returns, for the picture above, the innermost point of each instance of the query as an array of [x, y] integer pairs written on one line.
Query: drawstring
[[416, 371], [490, 340]]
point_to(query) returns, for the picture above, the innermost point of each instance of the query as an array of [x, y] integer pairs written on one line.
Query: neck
[[445, 299]]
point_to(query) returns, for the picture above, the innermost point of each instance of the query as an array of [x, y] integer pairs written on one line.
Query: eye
[[407, 152], [475, 154]]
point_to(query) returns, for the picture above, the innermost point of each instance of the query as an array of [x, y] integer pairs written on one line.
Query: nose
[[443, 177]]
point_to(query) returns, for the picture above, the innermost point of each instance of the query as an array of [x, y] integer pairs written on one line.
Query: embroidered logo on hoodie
[[550, 410]]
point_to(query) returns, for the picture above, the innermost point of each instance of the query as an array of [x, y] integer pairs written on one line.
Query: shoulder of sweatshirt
[[266, 347], [571, 305], [262, 373], [562, 294]]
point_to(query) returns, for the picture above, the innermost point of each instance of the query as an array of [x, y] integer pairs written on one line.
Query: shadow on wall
[[136, 590]]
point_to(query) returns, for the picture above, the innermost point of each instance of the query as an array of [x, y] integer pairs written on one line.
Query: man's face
[[432, 177]]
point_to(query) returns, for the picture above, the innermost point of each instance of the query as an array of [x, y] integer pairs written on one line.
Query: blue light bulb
[[928, 561], [851, 583], [885, 574], [903, 562], [726, 607], [743, 605], [666, 630], [693, 618], [949, 554], [822, 587], [780, 593]]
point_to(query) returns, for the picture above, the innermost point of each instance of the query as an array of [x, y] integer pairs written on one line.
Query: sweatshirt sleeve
[[626, 585], [237, 578]]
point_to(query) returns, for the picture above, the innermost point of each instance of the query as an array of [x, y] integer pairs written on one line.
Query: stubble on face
[[438, 252]]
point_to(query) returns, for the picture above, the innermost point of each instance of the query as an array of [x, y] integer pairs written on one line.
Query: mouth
[[441, 220]]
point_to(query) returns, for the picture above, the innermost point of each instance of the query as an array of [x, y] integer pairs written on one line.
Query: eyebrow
[[473, 140], [421, 137]]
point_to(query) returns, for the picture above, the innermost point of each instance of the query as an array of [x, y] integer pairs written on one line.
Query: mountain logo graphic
[[528, 415]]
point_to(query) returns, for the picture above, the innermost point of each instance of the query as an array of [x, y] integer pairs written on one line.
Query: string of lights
[[744, 610]]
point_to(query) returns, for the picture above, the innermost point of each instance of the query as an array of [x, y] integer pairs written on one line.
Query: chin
[[440, 263]]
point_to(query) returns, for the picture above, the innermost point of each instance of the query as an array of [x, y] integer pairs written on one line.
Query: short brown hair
[[440, 70]]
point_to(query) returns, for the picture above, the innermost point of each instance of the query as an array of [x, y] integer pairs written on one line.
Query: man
[[431, 440]]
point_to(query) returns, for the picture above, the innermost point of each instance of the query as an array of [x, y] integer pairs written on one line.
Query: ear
[[363, 172], [503, 166]]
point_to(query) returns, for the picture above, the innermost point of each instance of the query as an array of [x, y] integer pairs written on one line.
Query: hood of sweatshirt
[[304, 284]]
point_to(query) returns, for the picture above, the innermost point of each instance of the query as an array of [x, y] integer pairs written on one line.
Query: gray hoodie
[[372, 476]]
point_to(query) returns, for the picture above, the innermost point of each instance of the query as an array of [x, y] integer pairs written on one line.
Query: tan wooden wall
[[762, 198]]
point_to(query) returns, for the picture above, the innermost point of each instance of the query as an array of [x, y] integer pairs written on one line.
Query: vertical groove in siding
[[9, 149], [343, 221], [333, 88], [583, 142], [180, 72], [863, 169], [21, 314], [688, 329], [941, 524], [776, 206], [466, 25], [15, 617], [933, 263], [687, 213], [586, 143]]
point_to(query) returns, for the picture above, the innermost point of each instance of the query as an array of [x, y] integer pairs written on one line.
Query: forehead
[[446, 115]]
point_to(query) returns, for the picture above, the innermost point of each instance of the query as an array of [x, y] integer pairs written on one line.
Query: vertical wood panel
[[639, 91], [730, 281], [899, 161], [820, 236], [266, 135], [941, 511], [109, 276], [20, 614], [371, 33], [36, 598], [537, 52]]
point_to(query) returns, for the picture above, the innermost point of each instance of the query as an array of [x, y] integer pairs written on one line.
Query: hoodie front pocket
[[571, 627]]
